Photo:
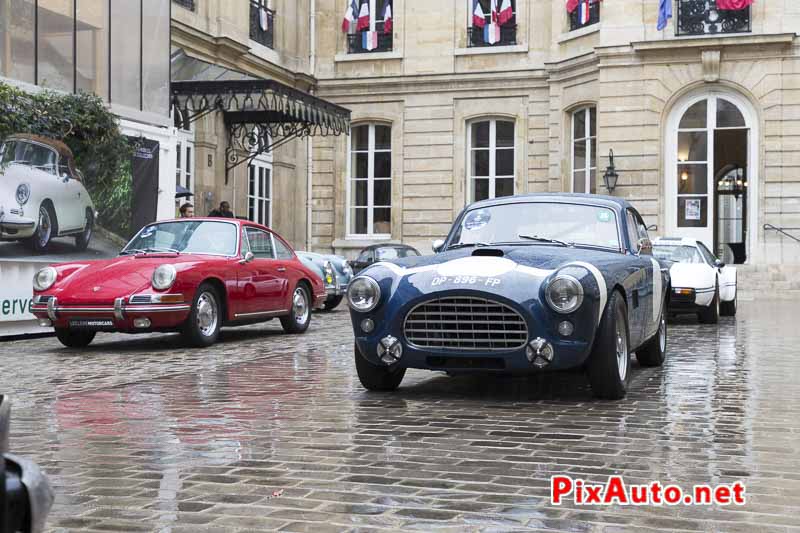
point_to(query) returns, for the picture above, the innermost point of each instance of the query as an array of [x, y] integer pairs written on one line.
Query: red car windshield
[[186, 237]]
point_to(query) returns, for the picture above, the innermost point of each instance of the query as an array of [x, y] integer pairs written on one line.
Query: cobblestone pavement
[[141, 434]]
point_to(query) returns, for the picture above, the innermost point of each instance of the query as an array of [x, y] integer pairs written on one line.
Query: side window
[[364, 257], [260, 243], [282, 249], [641, 227], [633, 232], [707, 255], [245, 243]]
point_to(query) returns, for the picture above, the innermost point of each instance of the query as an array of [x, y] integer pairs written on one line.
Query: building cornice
[[704, 41]]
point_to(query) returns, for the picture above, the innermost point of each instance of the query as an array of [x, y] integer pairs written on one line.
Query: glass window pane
[[505, 134], [728, 115], [267, 183], [695, 116], [579, 181], [56, 32], [480, 189], [383, 193], [480, 134], [360, 140], [579, 156], [16, 39], [360, 165], [125, 56], [593, 156], [358, 219], [92, 47], [692, 212], [382, 221], [383, 164], [155, 56], [692, 179], [360, 196], [383, 137], [593, 181], [503, 187], [592, 121], [504, 163], [480, 162], [579, 124], [692, 146]]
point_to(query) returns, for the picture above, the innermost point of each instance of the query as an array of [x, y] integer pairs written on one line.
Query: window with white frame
[[370, 183], [584, 150], [184, 164], [259, 191], [378, 36], [491, 159]]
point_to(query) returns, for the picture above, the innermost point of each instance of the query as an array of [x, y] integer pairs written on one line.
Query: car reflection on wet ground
[[141, 434]]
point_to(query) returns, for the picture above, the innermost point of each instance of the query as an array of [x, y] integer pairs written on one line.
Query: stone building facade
[[702, 118]]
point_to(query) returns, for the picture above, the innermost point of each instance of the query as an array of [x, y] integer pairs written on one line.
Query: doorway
[[708, 184]]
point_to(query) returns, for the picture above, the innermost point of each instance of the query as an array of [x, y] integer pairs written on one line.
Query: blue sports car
[[521, 284]]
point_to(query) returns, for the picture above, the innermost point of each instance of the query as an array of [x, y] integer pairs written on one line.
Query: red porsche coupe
[[190, 275]]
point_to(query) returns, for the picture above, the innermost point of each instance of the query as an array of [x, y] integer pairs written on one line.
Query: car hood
[[107, 279], [691, 275]]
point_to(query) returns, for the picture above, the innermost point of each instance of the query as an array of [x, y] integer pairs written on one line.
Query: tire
[[46, 229], [729, 308], [299, 316], [205, 318], [75, 339], [654, 351], [609, 366], [711, 314], [332, 303], [376, 378], [83, 238]]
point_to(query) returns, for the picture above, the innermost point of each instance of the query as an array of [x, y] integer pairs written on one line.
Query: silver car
[[334, 272]]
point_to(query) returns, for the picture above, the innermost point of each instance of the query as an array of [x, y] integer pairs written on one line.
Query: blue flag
[[664, 13]]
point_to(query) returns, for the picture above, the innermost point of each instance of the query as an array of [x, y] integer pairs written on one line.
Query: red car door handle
[[281, 269]]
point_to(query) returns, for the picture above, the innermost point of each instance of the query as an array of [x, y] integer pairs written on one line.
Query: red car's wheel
[[300, 314], [202, 326], [75, 339]]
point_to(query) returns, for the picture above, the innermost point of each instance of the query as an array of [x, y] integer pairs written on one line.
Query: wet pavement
[[268, 432]]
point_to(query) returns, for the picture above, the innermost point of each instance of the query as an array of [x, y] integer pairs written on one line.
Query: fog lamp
[[390, 350], [141, 323], [566, 328], [539, 352], [45, 322], [367, 325]]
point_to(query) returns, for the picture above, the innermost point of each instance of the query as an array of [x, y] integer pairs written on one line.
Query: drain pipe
[[312, 58]]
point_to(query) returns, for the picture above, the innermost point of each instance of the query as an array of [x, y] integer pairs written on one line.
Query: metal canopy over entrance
[[260, 115]]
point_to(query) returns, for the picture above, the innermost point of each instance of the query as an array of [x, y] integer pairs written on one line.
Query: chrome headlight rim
[[163, 277], [23, 193], [373, 285], [578, 290], [40, 284], [328, 273]]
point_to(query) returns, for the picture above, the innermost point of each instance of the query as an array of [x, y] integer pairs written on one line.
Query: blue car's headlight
[[363, 294], [564, 293]]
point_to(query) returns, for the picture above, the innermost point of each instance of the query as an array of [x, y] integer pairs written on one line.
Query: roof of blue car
[[593, 199]]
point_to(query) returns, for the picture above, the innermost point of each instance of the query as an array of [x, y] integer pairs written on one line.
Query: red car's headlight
[[164, 277], [45, 278]]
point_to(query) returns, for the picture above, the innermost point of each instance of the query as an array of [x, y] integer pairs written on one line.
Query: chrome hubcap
[[300, 306], [44, 226], [207, 315], [662, 334], [622, 350]]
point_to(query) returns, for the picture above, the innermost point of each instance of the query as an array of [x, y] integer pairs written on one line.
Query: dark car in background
[[382, 252]]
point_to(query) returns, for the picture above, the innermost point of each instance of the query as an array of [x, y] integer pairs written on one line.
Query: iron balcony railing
[[508, 36], [188, 4], [355, 41], [575, 17], [702, 17], [257, 33]]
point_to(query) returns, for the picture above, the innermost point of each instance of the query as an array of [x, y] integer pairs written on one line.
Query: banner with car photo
[[72, 186]]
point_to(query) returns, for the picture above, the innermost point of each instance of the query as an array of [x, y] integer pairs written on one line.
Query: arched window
[[370, 181], [491, 159], [584, 149]]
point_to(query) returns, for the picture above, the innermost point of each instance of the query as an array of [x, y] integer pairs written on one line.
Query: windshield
[[677, 253], [28, 154], [538, 222], [190, 237]]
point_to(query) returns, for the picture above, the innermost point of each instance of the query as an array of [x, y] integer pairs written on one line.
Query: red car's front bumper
[[121, 315]]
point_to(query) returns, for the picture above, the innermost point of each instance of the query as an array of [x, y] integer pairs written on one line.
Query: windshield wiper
[[545, 239], [162, 250], [467, 244], [132, 251]]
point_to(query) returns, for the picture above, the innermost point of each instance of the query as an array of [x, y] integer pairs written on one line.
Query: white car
[[42, 195], [701, 283]]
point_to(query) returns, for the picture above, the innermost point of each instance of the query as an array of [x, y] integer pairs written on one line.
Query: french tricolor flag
[[491, 32], [348, 24], [363, 17], [369, 40], [583, 12], [387, 17], [478, 18], [506, 12]]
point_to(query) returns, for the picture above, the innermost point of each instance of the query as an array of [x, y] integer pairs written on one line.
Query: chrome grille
[[141, 299], [465, 323]]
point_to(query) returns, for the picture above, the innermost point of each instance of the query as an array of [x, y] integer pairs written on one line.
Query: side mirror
[[644, 247], [719, 263], [248, 257], [652, 227], [437, 246]]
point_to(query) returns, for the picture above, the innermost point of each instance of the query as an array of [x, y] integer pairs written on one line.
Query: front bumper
[[14, 226], [119, 316], [687, 300]]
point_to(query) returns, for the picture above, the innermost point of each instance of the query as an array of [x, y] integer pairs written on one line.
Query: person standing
[[187, 210], [224, 211]]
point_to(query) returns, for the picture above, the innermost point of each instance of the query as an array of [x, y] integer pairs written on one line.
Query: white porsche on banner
[[701, 283]]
